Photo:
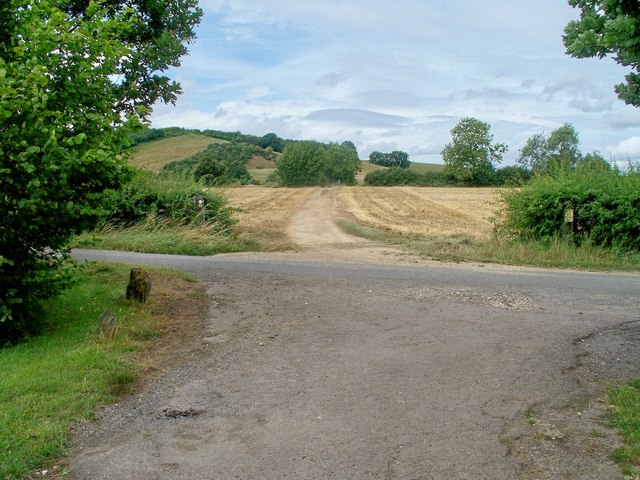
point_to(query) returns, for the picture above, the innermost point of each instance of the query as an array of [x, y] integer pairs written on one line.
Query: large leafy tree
[[302, 163], [76, 78], [609, 27], [341, 163], [551, 154], [313, 163], [470, 155]]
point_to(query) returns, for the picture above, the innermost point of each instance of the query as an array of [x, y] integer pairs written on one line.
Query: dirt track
[[336, 370]]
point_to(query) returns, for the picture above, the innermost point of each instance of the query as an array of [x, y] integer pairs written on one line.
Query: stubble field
[[446, 212]]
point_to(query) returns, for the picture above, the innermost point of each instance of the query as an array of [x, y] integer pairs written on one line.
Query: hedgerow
[[171, 197], [598, 206], [402, 176]]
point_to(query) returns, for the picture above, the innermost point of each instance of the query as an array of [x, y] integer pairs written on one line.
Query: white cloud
[[395, 74], [627, 148]]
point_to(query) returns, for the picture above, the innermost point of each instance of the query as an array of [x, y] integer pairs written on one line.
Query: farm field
[[456, 212], [154, 155], [452, 212], [265, 213]]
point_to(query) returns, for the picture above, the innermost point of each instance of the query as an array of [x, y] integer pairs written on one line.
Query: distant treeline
[[507, 176], [270, 140]]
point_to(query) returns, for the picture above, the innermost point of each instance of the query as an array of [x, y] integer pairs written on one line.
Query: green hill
[[426, 167]]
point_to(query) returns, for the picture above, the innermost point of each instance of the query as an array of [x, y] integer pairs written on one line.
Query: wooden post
[[139, 285]]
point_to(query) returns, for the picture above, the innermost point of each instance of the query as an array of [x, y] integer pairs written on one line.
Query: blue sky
[[397, 75]]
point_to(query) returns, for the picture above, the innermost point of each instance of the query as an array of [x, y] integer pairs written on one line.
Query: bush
[[219, 163], [511, 176], [166, 196], [605, 207], [301, 164], [400, 176]]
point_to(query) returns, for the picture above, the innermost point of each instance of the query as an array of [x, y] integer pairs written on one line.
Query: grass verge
[[625, 418], [164, 237], [558, 253], [62, 376]]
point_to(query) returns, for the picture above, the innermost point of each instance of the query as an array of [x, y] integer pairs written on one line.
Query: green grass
[[154, 155], [426, 167], [164, 237], [60, 377], [260, 174], [626, 419], [557, 253]]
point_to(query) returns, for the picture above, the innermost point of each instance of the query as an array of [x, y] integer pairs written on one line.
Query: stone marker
[[139, 285], [108, 324]]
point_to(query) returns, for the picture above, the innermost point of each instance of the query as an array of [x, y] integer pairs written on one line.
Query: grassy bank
[[625, 418], [62, 376], [557, 253], [166, 237]]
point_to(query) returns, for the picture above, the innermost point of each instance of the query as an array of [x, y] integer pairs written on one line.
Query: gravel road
[[312, 370]]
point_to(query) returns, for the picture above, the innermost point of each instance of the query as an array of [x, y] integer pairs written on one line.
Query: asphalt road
[[321, 370]]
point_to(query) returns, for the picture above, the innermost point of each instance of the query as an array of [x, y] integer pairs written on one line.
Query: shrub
[[511, 176], [301, 164], [219, 163], [166, 196], [400, 176], [605, 207]]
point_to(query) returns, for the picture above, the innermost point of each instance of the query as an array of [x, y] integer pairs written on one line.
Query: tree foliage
[[608, 27], [470, 155], [553, 153], [272, 140], [341, 163], [351, 145], [76, 77], [605, 208], [396, 158], [301, 164], [219, 163], [313, 163]]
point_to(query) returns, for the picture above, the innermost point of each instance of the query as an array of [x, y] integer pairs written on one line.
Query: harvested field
[[267, 212], [454, 212]]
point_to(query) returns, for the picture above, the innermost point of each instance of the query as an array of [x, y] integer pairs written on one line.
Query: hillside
[[153, 155], [426, 167]]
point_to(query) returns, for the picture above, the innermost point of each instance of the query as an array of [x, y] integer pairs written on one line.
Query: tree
[[237, 172], [551, 154], [341, 164], [396, 158], [210, 171], [351, 145], [608, 27], [302, 163], [272, 140], [313, 163], [76, 78], [470, 156], [593, 163]]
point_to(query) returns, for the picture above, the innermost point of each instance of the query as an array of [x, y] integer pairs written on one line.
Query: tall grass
[[554, 252], [625, 418], [157, 214], [163, 235]]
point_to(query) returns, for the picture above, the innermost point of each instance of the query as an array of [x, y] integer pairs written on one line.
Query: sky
[[398, 75]]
